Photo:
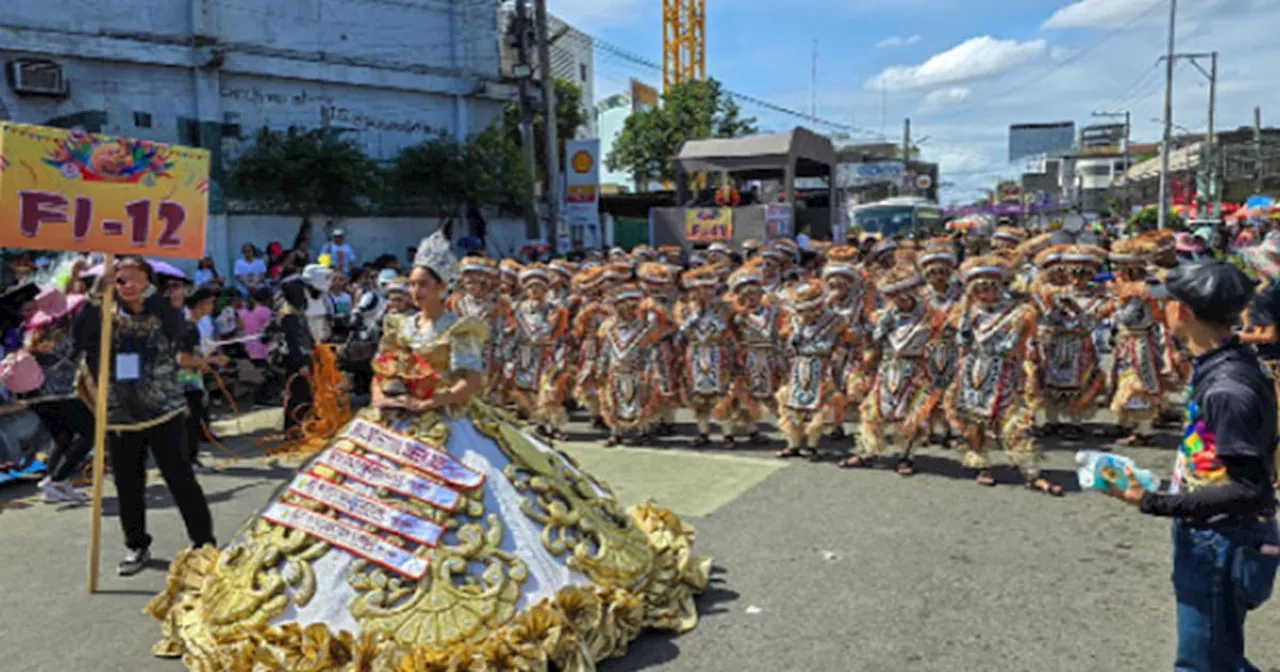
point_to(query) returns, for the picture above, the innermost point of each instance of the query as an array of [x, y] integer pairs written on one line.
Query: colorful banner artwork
[[705, 225], [348, 538], [413, 453], [369, 510], [70, 190], [371, 473]]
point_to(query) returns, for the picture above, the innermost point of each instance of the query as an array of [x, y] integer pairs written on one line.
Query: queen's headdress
[[435, 253]]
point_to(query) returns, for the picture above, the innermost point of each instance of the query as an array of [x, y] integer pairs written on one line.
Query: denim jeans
[[1219, 575]]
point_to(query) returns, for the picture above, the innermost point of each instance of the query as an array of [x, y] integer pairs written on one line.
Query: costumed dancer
[[431, 529], [883, 255], [902, 394], [629, 402], [756, 321], [535, 380], [706, 343], [1066, 357], [509, 279], [1026, 268], [658, 281], [943, 293], [293, 346], [479, 298], [988, 399], [808, 400], [1140, 360], [850, 297], [1165, 257], [561, 276], [589, 284], [774, 261]]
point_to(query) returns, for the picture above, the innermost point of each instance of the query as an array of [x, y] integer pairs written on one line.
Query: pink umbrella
[[162, 269]]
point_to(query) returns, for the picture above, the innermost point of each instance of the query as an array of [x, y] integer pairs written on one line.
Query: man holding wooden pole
[[81, 192], [145, 404]]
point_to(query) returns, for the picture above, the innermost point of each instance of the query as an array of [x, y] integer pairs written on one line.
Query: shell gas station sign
[[582, 190]]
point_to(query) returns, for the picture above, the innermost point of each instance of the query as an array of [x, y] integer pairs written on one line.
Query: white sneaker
[[57, 493]]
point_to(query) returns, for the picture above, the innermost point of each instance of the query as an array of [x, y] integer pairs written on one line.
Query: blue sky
[[962, 71]]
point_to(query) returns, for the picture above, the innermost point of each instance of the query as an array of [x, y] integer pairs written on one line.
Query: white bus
[[901, 214]]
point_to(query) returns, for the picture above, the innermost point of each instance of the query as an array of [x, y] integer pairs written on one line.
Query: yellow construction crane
[[684, 42]]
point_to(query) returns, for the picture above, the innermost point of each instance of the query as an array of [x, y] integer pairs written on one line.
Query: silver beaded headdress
[[435, 253]]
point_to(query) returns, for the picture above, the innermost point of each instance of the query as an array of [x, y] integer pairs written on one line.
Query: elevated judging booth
[[784, 157]]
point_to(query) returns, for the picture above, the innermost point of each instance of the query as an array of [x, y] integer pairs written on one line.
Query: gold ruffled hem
[[572, 631]]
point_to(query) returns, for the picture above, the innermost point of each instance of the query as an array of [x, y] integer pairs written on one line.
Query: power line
[[625, 54]]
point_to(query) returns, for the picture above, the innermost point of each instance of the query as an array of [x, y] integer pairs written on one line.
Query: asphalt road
[[815, 568]]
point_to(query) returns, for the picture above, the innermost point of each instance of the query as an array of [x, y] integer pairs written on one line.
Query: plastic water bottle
[[1099, 471]]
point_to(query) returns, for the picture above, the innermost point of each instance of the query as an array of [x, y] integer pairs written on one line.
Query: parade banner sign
[[707, 225], [777, 219], [81, 192], [349, 538]]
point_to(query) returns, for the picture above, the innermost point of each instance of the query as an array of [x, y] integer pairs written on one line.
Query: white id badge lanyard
[[127, 363]]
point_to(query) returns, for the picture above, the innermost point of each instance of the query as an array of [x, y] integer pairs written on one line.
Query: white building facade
[[212, 72]]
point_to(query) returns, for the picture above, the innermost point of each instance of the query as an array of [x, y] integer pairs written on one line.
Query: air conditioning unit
[[37, 77]]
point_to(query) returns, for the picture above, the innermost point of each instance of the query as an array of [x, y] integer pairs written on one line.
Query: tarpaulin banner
[[70, 190]]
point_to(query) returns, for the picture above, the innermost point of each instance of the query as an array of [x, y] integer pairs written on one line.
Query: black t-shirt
[[1227, 458], [1265, 312]]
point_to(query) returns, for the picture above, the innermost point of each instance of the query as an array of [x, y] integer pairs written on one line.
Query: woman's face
[[904, 301], [131, 282], [535, 290], [838, 285], [424, 287], [176, 293], [938, 277], [987, 292], [247, 251], [750, 296]]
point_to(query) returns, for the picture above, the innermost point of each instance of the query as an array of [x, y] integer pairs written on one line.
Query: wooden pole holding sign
[[73, 191], [101, 383]]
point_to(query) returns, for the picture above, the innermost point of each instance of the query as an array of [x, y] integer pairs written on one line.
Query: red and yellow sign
[[582, 161], [705, 225], [70, 190]]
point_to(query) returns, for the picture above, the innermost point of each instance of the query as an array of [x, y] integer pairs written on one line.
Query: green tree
[[570, 115], [440, 175], [1148, 219], [304, 173], [689, 111]]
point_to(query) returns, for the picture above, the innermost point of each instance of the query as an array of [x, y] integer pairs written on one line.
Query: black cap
[[1215, 291], [201, 294]]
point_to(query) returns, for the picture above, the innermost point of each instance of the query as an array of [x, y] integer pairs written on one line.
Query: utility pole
[[524, 73], [1257, 150], [1167, 136], [1127, 141], [1208, 163], [906, 156], [549, 117]]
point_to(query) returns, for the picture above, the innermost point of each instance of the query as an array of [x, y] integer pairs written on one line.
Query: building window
[[141, 120], [582, 71], [1097, 171]]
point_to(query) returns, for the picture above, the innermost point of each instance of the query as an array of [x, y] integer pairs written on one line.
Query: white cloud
[[1096, 13], [974, 58], [943, 98], [1060, 54], [895, 41]]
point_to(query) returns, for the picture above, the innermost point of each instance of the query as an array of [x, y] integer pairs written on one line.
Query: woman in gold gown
[[431, 534]]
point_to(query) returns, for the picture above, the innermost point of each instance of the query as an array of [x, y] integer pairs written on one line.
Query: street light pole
[[1167, 137]]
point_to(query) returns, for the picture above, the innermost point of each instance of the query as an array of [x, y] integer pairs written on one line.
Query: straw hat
[[747, 275], [986, 267], [1009, 234], [1028, 249], [654, 273], [564, 267], [588, 279], [535, 273], [938, 251], [901, 278], [618, 271], [626, 292], [509, 269], [847, 254], [1136, 251], [807, 295], [478, 266], [706, 276], [883, 247]]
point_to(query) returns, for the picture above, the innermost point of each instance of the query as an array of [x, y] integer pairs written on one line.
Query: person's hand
[[1131, 495], [392, 403], [219, 360]]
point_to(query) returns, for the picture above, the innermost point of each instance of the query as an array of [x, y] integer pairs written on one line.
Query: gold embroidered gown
[[437, 540]]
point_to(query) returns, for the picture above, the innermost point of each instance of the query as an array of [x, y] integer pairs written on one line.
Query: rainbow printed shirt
[[1198, 465]]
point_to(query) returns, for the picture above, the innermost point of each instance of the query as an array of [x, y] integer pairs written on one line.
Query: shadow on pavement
[[655, 648], [158, 497]]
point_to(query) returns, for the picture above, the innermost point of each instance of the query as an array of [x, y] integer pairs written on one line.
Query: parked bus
[[892, 216]]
